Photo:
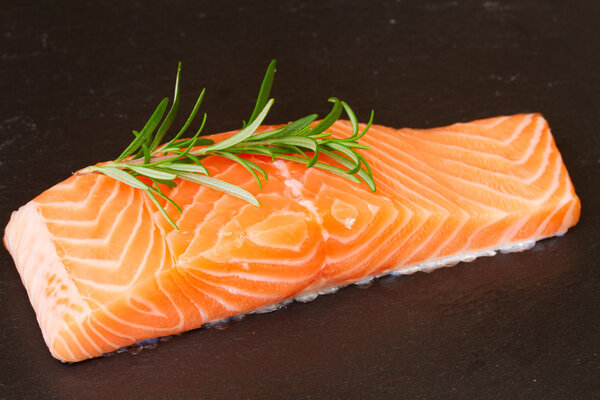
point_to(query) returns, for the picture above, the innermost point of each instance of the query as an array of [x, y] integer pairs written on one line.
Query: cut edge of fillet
[[51, 290]]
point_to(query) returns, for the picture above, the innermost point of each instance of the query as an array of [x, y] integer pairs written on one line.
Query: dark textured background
[[76, 77]]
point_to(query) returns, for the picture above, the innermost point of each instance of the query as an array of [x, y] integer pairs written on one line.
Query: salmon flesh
[[104, 269]]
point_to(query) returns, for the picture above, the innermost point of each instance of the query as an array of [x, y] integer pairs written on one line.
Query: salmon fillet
[[104, 269]]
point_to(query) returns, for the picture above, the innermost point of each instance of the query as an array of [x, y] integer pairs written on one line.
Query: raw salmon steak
[[104, 269]]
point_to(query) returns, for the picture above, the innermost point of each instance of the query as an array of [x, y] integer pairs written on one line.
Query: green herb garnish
[[297, 141]]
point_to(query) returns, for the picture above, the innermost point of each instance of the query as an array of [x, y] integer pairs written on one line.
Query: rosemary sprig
[[299, 141]]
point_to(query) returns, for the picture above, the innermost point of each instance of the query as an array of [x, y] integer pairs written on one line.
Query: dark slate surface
[[75, 78]]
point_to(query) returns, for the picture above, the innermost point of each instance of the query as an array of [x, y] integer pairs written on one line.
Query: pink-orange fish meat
[[103, 268]]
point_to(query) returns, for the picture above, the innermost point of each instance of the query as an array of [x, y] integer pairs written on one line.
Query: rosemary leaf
[[146, 131], [244, 163], [366, 177], [305, 142], [189, 120], [160, 208], [323, 166], [120, 175], [221, 186], [298, 141], [152, 173], [263, 94], [164, 127], [244, 133], [186, 168], [333, 115]]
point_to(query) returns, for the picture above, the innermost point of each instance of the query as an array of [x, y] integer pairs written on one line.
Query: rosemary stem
[[147, 165]]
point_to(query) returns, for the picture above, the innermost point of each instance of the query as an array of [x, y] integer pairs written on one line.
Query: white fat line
[[102, 337], [438, 206], [176, 276], [95, 304], [369, 243], [466, 218], [100, 240], [492, 222], [90, 222], [77, 343], [402, 199], [66, 346], [191, 206], [498, 121], [74, 204], [425, 189], [564, 200], [429, 177], [526, 155], [236, 291], [249, 235], [118, 334], [232, 260], [286, 213], [200, 192], [568, 218], [111, 287], [464, 181], [540, 170], [153, 309], [518, 130], [447, 146], [223, 303], [209, 215], [89, 339], [218, 173], [542, 225], [406, 239], [106, 238], [168, 258], [180, 315], [215, 296], [427, 139], [511, 163], [120, 320], [537, 134], [237, 274], [384, 243], [64, 185], [511, 232], [94, 262], [108, 287], [295, 186], [113, 264], [348, 223], [544, 165], [426, 177], [144, 262], [555, 182], [428, 238]]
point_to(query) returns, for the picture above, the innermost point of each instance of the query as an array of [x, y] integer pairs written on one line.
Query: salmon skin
[[104, 269]]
